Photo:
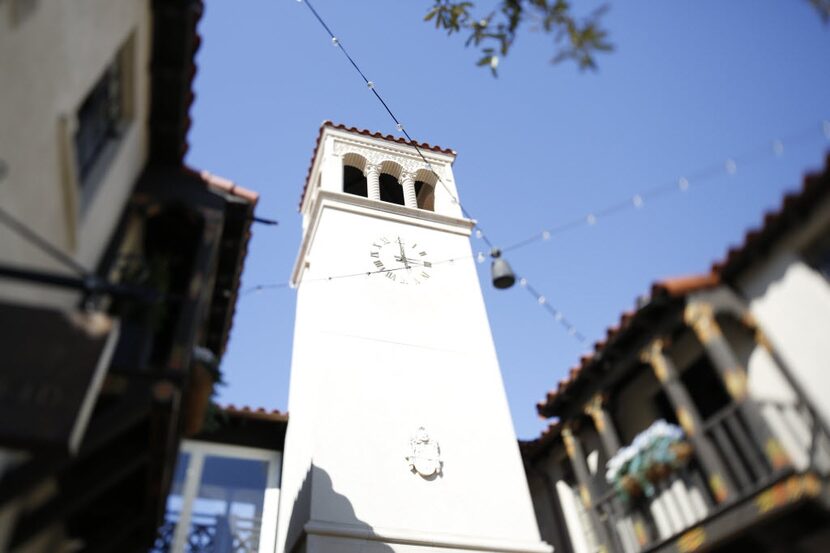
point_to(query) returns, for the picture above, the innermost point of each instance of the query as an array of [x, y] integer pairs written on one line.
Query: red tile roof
[[254, 412], [364, 132], [225, 185], [794, 209], [531, 448]]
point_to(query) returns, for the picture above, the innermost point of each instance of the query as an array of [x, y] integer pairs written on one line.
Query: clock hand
[[412, 261], [402, 258]]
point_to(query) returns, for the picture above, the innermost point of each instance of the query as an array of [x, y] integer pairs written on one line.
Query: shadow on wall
[[317, 483]]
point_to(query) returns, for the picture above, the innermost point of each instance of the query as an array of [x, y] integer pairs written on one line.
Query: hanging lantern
[[500, 271]]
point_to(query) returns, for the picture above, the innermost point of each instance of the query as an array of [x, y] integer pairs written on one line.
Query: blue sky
[[690, 85]]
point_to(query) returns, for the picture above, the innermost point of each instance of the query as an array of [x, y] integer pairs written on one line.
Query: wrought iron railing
[[210, 534]]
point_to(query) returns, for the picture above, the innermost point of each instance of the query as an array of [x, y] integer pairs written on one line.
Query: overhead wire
[[637, 201], [27, 233], [682, 184]]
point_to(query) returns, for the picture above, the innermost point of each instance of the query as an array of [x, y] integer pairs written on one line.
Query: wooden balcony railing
[[684, 500]]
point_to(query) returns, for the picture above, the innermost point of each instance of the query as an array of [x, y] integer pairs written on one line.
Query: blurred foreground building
[[119, 269], [701, 422]]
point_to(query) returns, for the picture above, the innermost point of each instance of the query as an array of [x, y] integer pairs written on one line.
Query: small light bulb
[[478, 233], [335, 41], [731, 166], [541, 300], [399, 126], [778, 147], [480, 257], [523, 282], [545, 235], [558, 316], [370, 84], [683, 184], [591, 219], [637, 201]]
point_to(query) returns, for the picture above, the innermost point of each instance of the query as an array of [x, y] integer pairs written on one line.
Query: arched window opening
[[425, 193], [354, 181], [391, 190]]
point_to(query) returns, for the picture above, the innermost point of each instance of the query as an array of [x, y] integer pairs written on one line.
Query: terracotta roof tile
[[531, 448], [255, 413], [225, 185], [364, 132], [795, 207]]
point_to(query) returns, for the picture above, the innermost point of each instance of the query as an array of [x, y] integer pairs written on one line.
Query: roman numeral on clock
[[379, 264]]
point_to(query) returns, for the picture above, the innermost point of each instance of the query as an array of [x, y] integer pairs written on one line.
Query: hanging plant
[[654, 454]]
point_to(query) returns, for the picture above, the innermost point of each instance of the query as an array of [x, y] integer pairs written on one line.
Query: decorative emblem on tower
[[425, 454]]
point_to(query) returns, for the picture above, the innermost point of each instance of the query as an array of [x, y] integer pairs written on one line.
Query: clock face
[[400, 260]]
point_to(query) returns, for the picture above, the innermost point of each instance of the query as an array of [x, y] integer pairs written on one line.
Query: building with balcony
[[119, 269], [701, 422], [226, 485]]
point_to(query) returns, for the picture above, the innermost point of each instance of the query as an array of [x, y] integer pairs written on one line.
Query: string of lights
[[279, 285], [730, 166], [681, 185], [695, 179]]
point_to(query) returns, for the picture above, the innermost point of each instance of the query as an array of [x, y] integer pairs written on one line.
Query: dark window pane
[[98, 119]]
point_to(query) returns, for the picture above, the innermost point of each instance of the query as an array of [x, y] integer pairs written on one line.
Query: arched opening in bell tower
[[425, 182], [354, 180], [391, 189]]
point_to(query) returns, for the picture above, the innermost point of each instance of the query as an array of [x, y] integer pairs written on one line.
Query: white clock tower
[[400, 438]]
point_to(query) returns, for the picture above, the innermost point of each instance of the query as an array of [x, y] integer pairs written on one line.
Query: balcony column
[[372, 173], [587, 493], [718, 478], [611, 444], [700, 316], [408, 183], [604, 425]]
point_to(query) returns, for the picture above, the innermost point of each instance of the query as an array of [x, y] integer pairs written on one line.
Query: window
[[223, 498], [101, 120]]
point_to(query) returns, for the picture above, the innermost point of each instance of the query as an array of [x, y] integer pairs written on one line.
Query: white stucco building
[[700, 422]]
